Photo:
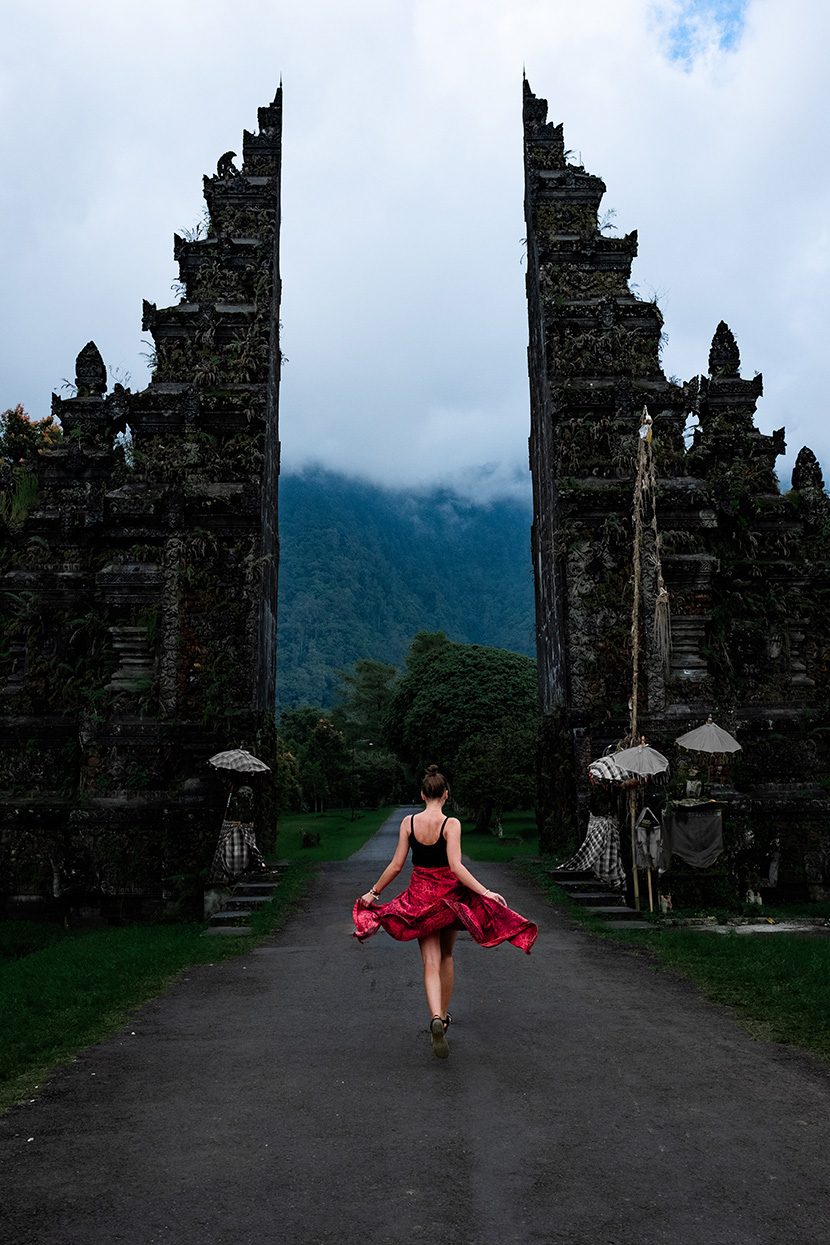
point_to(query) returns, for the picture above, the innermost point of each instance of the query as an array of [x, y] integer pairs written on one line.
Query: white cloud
[[403, 287]]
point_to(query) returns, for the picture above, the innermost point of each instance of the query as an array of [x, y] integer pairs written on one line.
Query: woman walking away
[[442, 898]]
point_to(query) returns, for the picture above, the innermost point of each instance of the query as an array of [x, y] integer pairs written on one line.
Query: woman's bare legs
[[447, 970], [439, 969], [436, 952], [430, 946]]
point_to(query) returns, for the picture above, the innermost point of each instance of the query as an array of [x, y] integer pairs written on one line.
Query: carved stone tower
[[746, 568], [140, 594]]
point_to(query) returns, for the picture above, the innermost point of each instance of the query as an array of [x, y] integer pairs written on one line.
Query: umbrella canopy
[[238, 761], [641, 760], [709, 738]]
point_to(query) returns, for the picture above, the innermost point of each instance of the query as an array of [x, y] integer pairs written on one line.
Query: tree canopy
[[21, 437], [452, 692], [364, 694]]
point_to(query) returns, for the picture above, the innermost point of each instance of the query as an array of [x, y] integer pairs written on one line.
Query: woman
[[442, 898]]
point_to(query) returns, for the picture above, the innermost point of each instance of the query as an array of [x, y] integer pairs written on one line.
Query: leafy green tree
[[454, 692], [297, 725], [495, 772], [278, 791], [424, 645], [324, 762], [365, 696], [21, 438], [378, 778]]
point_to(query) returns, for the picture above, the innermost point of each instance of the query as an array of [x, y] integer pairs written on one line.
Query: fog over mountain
[[363, 568]]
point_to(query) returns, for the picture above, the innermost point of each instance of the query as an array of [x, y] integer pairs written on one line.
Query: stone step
[[255, 888], [596, 898], [618, 912], [630, 924], [245, 903], [571, 875], [229, 918]]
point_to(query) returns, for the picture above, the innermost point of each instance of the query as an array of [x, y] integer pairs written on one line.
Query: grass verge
[[519, 825], [777, 985], [340, 837], [78, 989]]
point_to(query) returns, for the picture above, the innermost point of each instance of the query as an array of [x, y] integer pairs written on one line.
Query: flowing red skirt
[[434, 900]]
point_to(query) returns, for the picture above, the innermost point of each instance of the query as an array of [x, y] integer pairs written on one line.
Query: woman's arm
[[392, 869], [453, 833]]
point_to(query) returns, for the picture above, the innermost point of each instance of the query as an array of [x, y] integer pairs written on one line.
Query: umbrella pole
[[632, 808], [650, 894]]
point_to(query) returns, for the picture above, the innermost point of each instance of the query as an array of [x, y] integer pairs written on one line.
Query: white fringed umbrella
[[641, 760], [709, 738]]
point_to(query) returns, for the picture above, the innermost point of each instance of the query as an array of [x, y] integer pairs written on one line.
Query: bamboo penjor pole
[[639, 489]]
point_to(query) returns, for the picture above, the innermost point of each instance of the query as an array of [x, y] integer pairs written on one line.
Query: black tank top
[[428, 855]]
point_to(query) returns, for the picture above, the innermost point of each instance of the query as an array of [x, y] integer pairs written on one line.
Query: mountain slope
[[363, 568]]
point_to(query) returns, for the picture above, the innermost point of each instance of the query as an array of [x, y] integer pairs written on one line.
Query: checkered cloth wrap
[[606, 769], [600, 851], [236, 852]]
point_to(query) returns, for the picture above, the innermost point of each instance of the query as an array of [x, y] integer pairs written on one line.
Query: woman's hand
[[498, 898], [366, 900]]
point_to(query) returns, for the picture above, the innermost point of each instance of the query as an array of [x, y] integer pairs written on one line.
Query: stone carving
[[149, 637], [724, 356], [746, 568]]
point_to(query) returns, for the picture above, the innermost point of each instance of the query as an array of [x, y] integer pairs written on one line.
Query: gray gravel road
[[291, 1096]]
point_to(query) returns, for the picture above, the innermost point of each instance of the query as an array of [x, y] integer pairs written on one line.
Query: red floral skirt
[[434, 900]]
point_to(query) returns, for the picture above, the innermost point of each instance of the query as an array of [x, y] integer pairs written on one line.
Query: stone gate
[[747, 568], [140, 580]]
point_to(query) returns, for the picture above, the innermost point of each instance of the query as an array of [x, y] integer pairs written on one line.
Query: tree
[[451, 692], [365, 696], [324, 765], [21, 438], [424, 645], [297, 725], [377, 776], [495, 772]]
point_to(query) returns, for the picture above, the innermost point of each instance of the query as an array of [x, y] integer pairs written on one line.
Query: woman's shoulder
[[452, 824]]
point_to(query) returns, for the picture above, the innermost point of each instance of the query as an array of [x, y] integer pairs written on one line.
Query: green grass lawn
[[777, 984], [339, 835], [516, 825], [62, 990]]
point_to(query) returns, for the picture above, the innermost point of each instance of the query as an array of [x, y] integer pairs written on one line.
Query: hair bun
[[432, 769]]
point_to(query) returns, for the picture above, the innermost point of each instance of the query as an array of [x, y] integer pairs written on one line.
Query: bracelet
[[372, 891]]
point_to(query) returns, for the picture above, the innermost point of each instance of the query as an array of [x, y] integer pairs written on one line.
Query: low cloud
[[404, 312]]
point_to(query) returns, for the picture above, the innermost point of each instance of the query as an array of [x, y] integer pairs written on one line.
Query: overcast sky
[[404, 310]]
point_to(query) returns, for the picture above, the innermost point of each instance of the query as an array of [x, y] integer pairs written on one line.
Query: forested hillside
[[363, 568]]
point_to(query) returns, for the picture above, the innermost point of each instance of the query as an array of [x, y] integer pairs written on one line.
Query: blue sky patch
[[701, 22]]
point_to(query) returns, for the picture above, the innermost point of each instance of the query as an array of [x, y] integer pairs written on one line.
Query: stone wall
[[747, 568], [139, 594]]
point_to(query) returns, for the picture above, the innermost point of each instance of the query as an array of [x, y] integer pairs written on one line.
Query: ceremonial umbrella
[[238, 761], [709, 738], [641, 760]]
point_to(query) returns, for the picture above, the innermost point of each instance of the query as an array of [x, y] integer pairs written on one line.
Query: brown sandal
[[440, 1046]]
